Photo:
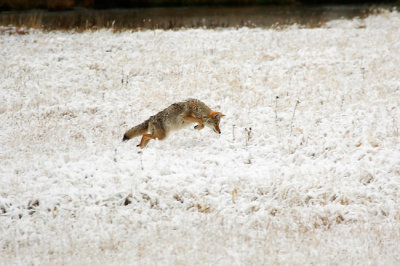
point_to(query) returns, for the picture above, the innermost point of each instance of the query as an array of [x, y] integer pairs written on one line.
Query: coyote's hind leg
[[158, 134], [145, 140]]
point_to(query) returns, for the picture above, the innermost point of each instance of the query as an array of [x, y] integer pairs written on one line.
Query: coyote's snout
[[174, 117]]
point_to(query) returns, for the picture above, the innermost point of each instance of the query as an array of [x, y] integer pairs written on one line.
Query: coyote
[[174, 117]]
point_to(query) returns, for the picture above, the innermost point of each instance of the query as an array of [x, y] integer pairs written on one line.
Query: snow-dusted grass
[[306, 170]]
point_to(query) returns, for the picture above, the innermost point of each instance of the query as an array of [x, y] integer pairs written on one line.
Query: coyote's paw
[[198, 127]]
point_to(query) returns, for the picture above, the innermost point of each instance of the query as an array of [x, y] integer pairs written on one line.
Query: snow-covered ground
[[306, 170]]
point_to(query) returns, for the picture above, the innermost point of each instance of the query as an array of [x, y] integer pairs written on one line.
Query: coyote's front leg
[[194, 120], [199, 126]]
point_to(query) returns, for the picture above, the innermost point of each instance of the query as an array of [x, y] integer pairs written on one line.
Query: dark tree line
[[103, 4]]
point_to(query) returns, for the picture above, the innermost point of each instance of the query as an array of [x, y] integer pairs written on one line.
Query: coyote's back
[[174, 117]]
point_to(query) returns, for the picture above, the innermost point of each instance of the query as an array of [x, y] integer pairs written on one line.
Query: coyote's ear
[[216, 115]]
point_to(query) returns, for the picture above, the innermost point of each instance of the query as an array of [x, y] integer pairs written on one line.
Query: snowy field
[[306, 170]]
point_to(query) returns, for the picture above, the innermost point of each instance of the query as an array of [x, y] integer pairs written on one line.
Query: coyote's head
[[212, 121]]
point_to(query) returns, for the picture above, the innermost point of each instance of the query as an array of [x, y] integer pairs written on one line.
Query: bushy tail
[[136, 130]]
